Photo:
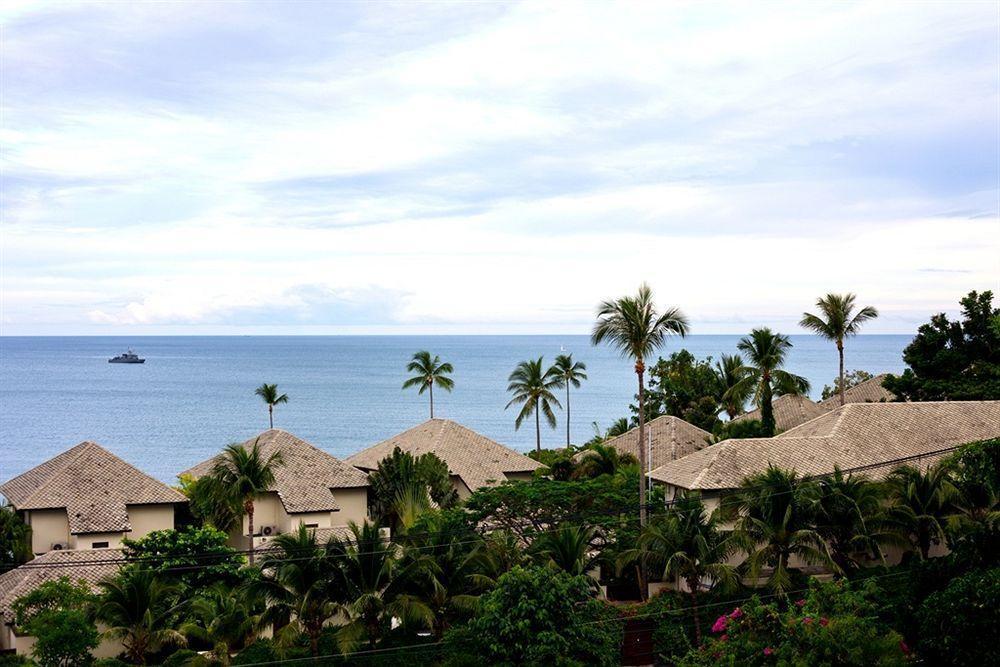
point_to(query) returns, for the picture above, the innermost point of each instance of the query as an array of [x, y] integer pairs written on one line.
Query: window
[[312, 525], [98, 545]]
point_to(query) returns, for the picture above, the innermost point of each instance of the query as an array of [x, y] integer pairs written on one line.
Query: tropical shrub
[[15, 539], [56, 595], [401, 474], [260, 652], [63, 638], [671, 637], [540, 615], [956, 624], [195, 557], [685, 387]]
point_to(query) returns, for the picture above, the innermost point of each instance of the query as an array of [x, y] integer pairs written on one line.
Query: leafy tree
[[245, 474], [954, 361], [269, 394], [55, 595], [764, 376], [729, 371], [540, 615], [975, 474], [956, 623], [851, 379], [195, 557], [429, 372], [632, 325], [684, 387], [210, 503], [744, 428], [531, 387], [401, 474], [686, 544], [15, 539], [837, 321], [597, 460], [920, 503], [774, 513], [63, 638], [140, 610], [569, 373]]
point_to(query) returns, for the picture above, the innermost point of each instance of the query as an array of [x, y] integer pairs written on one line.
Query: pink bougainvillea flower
[[824, 621], [720, 624], [807, 620], [904, 647], [736, 613], [800, 603], [724, 638], [768, 651]]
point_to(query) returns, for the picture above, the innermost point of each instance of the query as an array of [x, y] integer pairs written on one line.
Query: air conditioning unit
[[269, 531], [59, 546]]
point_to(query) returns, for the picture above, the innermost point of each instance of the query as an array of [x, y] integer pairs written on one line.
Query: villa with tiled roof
[[668, 438], [88, 498], [869, 391], [790, 410]]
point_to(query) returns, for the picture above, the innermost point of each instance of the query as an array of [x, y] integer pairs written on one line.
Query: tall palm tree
[[224, 619], [729, 371], [569, 548], [569, 373], [600, 459], [429, 371], [244, 474], [837, 322], [686, 543], [632, 325], [920, 504], [269, 394], [774, 514], [763, 375], [532, 387], [139, 610], [850, 518]]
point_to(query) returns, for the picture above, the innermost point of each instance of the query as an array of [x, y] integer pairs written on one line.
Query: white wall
[[147, 518], [353, 505], [47, 528]]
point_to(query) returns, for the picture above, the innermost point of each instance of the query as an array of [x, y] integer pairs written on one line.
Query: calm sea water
[[195, 394]]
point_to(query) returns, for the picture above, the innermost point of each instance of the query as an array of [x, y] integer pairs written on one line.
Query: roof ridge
[[82, 446]]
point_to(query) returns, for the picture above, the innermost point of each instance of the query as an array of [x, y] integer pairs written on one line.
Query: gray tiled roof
[[94, 486], [869, 391], [789, 411], [474, 458], [88, 565], [855, 435], [670, 438], [308, 478]]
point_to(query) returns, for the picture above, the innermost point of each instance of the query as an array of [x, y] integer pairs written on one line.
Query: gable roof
[[855, 435], [790, 410], [305, 482], [670, 437], [94, 486], [474, 458], [869, 391], [79, 564]]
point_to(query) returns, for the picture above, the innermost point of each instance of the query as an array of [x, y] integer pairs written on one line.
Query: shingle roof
[[857, 434], [869, 391], [88, 565], [306, 481], [474, 458], [671, 438], [789, 411], [94, 486]]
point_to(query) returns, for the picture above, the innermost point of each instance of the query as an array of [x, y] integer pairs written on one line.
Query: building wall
[[460, 487], [147, 518], [87, 540], [47, 528], [353, 505]]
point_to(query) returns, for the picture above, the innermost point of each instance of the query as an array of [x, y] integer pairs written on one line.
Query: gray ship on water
[[129, 357]]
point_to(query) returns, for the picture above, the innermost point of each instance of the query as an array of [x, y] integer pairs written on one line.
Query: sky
[[305, 167]]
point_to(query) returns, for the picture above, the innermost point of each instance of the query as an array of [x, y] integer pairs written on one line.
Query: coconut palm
[[730, 371], [532, 387], [763, 375], [569, 548], [632, 325], [429, 371], [618, 427], [920, 504], [774, 514], [600, 459], [138, 609], [837, 322], [244, 474], [498, 553], [569, 373], [849, 516], [269, 394], [686, 543], [225, 620]]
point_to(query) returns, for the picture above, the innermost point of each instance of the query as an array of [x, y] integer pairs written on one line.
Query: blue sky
[[225, 167]]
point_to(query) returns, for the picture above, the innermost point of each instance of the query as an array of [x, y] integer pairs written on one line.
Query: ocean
[[196, 394]]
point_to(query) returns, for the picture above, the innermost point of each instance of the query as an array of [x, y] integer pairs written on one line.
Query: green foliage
[[530, 386], [429, 371], [261, 651], [184, 658], [64, 638], [978, 463], [684, 387], [744, 428], [671, 637], [851, 379], [194, 557], [56, 595], [541, 615], [210, 503], [15, 539], [957, 361], [110, 662], [956, 624], [400, 473], [832, 625], [599, 459], [14, 660], [763, 377], [140, 610]]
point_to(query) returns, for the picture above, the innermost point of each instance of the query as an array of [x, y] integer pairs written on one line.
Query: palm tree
[[633, 326], [498, 553], [244, 474], [763, 375], [849, 517], [569, 548], [920, 503], [618, 427], [298, 585], [429, 371], [532, 388], [569, 373], [729, 371], [225, 619], [600, 459], [269, 394], [139, 609], [837, 322], [686, 543], [774, 515]]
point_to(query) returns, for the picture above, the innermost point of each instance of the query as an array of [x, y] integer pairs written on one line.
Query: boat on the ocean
[[129, 357]]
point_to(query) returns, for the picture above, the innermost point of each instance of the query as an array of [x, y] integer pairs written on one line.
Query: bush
[[540, 615], [13, 660], [195, 557], [111, 662], [956, 623], [671, 638], [262, 650], [180, 658], [63, 638]]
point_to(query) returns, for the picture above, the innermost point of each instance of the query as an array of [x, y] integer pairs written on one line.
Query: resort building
[[311, 488], [78, 565], [856, 436], [869, 391], [667, 438], [473, 460], [88, 498], [790, 410]]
